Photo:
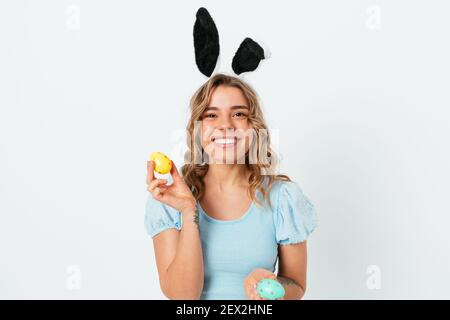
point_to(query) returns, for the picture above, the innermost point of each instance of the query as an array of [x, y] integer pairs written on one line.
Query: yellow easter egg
[[162, 162]]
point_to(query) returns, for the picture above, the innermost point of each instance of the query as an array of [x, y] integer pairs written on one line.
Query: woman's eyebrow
[[232, 108]]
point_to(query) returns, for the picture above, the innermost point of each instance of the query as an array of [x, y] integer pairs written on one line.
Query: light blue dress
[[233, 248]]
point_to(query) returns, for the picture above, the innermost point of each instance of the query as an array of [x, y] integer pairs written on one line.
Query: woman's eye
[[210, 116], [240, 114]]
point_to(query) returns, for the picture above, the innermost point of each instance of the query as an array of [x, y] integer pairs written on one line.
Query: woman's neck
[[223, 177]]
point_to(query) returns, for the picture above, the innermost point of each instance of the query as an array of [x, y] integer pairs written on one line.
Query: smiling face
[[225, 125], [225, 92]]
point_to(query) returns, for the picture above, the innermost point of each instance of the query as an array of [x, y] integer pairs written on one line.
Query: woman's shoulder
[[159, 216], [281, 188], [294, 214]]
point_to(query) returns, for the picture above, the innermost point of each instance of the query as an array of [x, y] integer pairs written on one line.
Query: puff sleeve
[[295, 217], [159, 217]]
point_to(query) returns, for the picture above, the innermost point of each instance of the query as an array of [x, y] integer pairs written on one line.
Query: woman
[[222, 224]]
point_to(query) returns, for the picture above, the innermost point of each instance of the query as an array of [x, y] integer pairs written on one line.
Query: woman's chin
[[227, 160]]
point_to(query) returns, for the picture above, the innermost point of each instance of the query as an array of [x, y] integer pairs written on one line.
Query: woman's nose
[[225, 124]]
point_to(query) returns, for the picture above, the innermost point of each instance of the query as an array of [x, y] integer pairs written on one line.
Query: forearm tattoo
[[286, 281], [196, 218], [191, 216]]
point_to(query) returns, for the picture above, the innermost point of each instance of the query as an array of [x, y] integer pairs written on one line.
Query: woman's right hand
[[177, 195]]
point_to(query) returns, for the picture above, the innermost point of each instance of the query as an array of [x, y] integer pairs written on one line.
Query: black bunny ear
[[206, 42], [247, 57]]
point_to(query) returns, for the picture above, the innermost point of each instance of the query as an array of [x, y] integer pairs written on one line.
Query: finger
[[157, 193], [252, 292], [253, 284], [150, 169], [256, 296], [156, 183], [256, 278], [249, 288], [251, 295], [248, 293], [174, 172], [163, 183], [250, 283], [161, 188]]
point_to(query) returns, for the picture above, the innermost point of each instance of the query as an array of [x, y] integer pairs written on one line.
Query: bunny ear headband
[[206, 44]]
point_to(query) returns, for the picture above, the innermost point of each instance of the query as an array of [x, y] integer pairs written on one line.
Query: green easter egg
[[270, 289]]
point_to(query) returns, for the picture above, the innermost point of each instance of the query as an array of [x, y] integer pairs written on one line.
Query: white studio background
[[358, 91]]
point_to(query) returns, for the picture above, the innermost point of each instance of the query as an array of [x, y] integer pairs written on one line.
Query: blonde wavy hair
[[193, 172]]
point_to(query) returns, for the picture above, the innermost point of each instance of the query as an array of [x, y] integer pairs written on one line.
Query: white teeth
[[224, 141]]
